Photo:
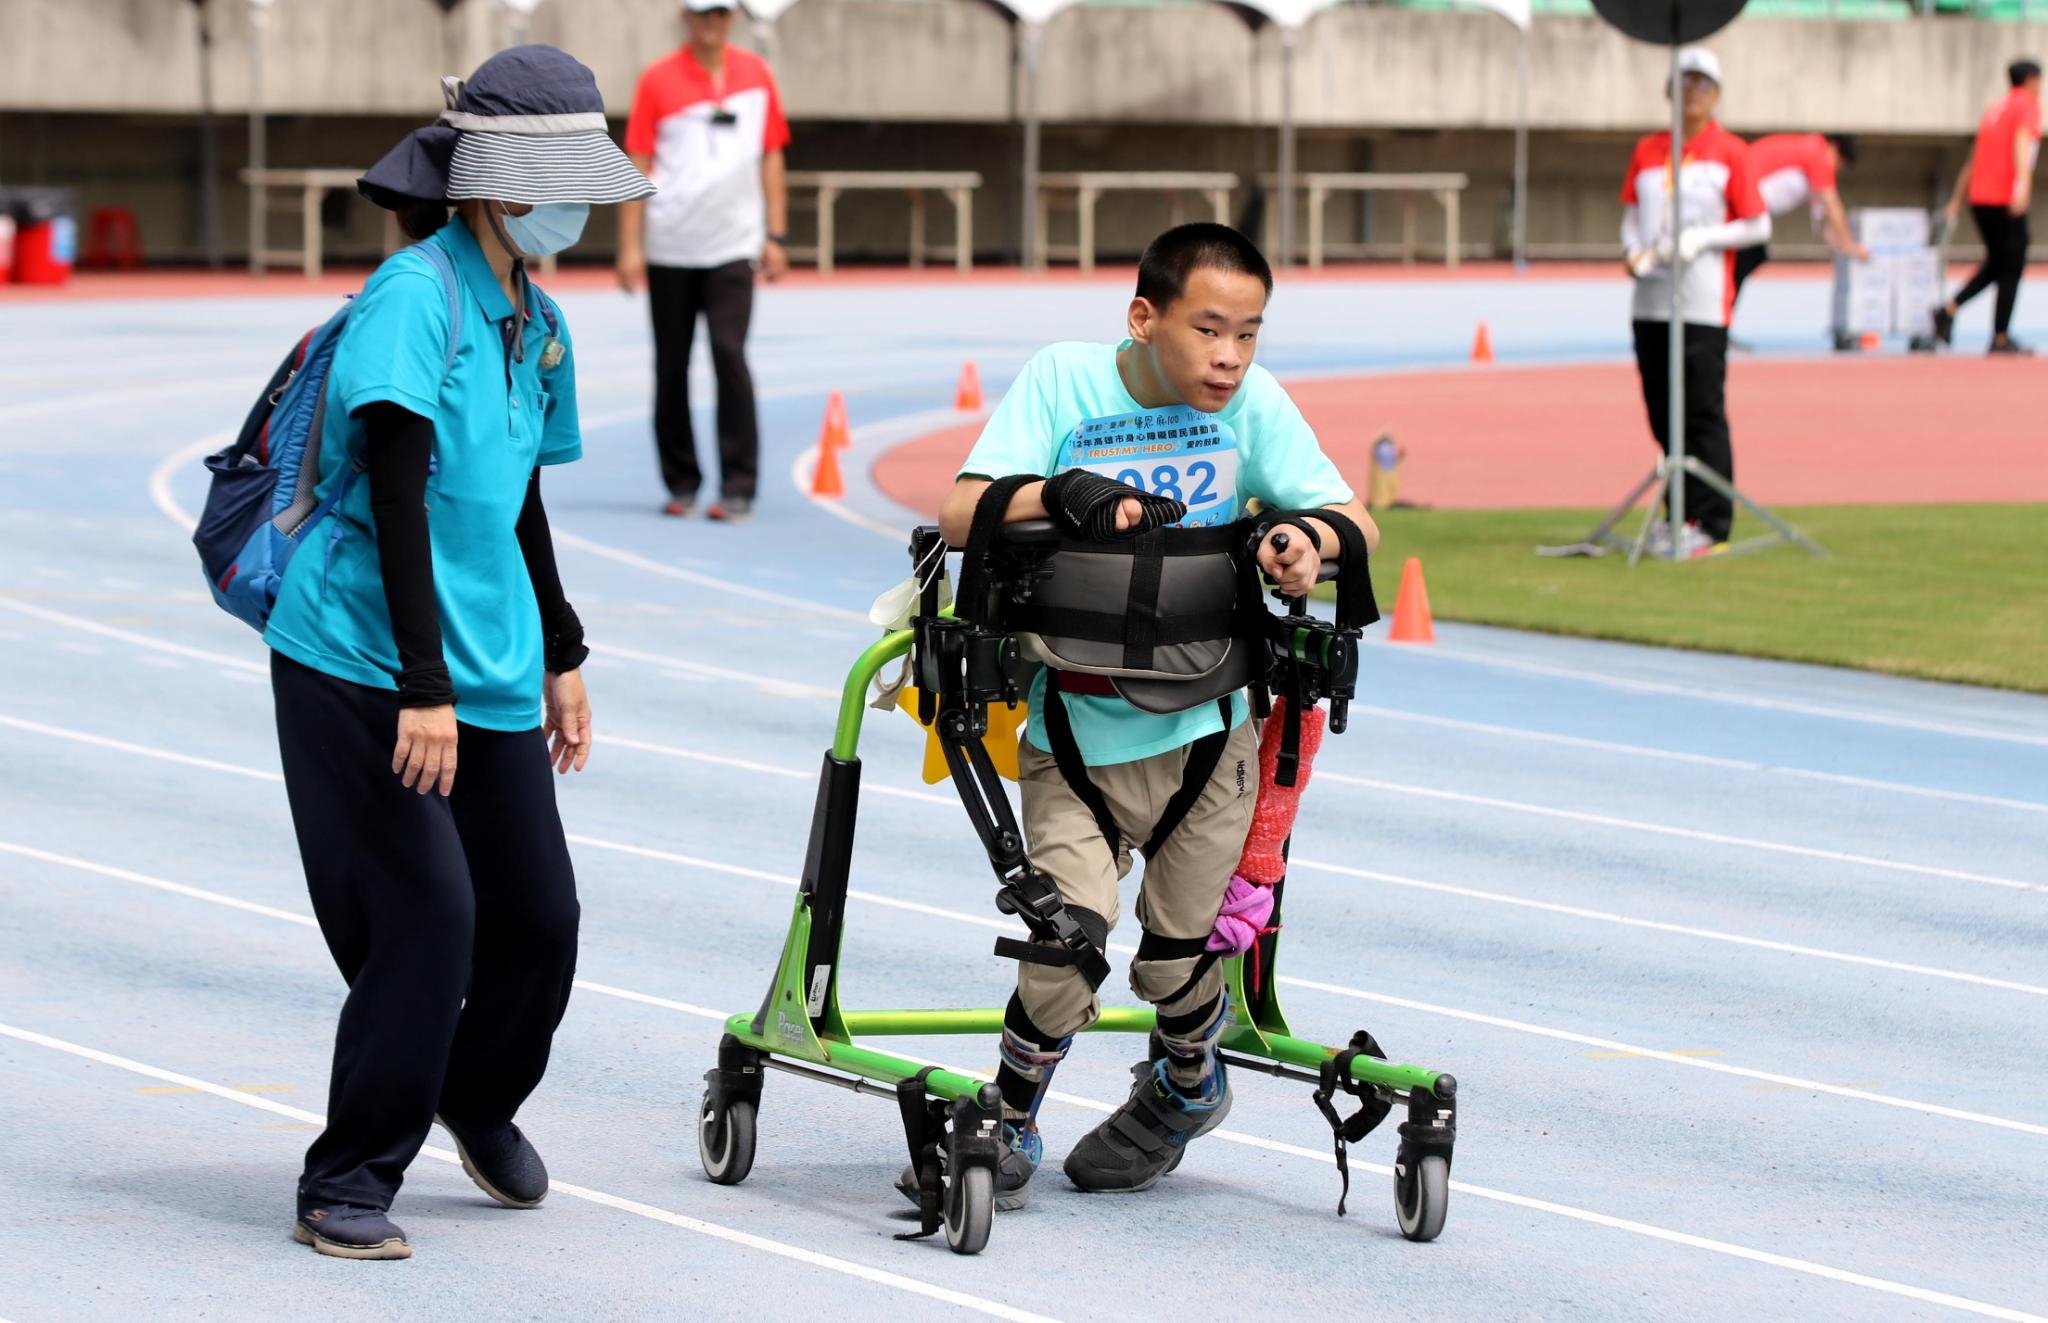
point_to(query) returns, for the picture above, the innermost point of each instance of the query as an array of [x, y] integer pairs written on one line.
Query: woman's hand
[[1294, 570], [425, 753], [567, 721]]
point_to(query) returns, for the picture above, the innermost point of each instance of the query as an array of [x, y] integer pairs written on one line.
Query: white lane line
[[130, 637], [846, 1267], [1312, 985], [799, 475], [787, 773], [1588, 1216], [160, 492], [175, 462], [1498, 898], [1610, 681], [1683, 833], [564, 538], [140, 750], [1682, 930], [149, 394], [1696, 759], [781, 688], [862, 442]]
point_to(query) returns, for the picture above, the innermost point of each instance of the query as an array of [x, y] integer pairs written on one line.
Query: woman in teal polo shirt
[[429, 626]]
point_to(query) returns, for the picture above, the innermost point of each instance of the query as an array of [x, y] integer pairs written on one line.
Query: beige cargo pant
[[1183, 885]]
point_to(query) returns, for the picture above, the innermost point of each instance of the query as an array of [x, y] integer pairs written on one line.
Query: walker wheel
[[970, 1208], [725, 1140], [1422, 1195]]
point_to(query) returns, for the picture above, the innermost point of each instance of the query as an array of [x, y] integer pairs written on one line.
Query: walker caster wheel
[[1422, 1195], [725, 1139], [970, 1208]]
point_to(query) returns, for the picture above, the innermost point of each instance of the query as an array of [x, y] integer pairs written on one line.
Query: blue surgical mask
[[548, 228]]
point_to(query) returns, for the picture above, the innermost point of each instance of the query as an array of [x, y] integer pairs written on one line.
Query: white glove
[[1691, 244], [1662, 250]]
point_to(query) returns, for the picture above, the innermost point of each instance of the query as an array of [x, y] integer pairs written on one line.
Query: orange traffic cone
[[1482, 346], [825, 477], [967, 398], [834, 435], [1412, 622]]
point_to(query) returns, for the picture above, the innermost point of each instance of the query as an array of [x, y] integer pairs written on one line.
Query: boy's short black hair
[[1845, 144], [2020, 70], [1175, 255]]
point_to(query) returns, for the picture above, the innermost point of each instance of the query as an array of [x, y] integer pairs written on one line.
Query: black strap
[[990, 511], [1335, 1077], [1059, 732], [1356, 605], [1203, 757], [1151, 946], [1141, 602], [1120, 627], [1038, 953], [924, 1127]]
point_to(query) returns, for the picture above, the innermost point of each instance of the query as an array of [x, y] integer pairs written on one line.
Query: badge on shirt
[[551, 354], [1177, 452]]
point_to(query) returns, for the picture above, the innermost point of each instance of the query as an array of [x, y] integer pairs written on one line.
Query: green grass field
[[1941, 592]]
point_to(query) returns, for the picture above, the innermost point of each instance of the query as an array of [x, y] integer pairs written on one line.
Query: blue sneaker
[[1013, 1170], [1146, 1137], [346, 1231]]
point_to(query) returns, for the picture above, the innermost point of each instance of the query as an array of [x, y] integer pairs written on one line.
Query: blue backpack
[[262, 500]]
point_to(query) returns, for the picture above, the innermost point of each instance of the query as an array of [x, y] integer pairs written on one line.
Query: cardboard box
[[1890, 231], [1863, 297], [1917, 286]]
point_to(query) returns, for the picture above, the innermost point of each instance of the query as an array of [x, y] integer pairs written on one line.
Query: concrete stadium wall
[[926, 60], [102, 95]]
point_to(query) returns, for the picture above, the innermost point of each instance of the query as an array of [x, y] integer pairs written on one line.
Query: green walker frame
[[952, 1121]]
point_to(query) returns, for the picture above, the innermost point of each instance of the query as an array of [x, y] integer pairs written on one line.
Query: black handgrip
[[1031, 533]]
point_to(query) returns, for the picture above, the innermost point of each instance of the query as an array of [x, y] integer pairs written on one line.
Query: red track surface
[[339, 280], [1852, 430]]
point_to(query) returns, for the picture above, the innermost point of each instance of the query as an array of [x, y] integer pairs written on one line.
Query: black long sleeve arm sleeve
[[561, 632], [399, 449]]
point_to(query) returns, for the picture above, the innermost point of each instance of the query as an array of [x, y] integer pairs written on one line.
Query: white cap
[[1699, 60], [706, 6]]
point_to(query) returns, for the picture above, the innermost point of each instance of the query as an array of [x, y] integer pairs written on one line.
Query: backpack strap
[[451, 285]]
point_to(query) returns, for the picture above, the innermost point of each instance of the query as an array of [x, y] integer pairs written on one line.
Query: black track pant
[[724, 297], [1747, 260], [453, 920], [2006, 238], [1706, 412]]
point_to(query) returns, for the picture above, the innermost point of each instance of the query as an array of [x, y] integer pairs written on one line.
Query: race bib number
[[1180, 453]]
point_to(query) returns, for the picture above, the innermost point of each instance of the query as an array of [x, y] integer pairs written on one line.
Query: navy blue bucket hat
[[527, 126]]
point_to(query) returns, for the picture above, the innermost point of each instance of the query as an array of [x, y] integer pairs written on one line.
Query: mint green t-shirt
[[1069, 409], [494, 420]]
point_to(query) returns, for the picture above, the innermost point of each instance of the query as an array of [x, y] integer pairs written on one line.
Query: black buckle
[[1372, 1109]]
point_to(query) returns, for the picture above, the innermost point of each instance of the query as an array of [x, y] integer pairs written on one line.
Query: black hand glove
[[1084, 505]]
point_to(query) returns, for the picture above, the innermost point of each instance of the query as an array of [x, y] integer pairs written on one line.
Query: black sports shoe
[[2008, 345], [731, 510], [502, 1162], [1146, 1137], [345, 1231], [1944, 326]]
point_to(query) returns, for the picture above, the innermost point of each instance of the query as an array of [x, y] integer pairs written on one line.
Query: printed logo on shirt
[[1177, 452]]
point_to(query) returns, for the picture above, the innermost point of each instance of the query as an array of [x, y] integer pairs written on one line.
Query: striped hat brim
[[544, 167]]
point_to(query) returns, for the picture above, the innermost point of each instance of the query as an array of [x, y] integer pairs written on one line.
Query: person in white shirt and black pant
[[707, 127], [1722, 213]]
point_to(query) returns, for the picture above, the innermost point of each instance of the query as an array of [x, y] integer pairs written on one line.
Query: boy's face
[[1202, 343]]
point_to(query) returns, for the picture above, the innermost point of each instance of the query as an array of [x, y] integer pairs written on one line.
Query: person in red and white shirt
[[1793, 170], [1722, 213], [1999, 181], [707, 127]]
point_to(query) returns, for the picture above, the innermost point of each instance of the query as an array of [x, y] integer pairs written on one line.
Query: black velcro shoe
[[1148, 1136], [345, 1231], [502, 1162]]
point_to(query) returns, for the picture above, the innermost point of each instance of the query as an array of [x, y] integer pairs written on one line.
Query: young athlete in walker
[[1173, 428]]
